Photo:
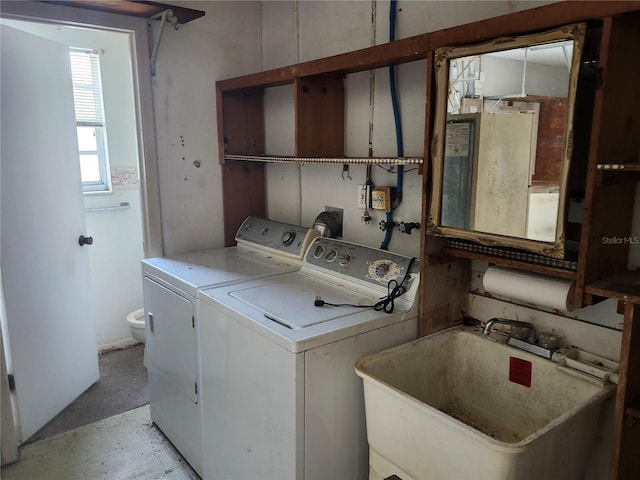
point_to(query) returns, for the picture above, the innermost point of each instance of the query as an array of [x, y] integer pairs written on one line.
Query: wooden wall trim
[[444, 289]]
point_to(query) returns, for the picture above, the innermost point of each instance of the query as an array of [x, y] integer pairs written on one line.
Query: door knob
[[85, 240]]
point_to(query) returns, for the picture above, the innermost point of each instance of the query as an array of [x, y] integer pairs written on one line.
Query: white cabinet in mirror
[[502, 140]]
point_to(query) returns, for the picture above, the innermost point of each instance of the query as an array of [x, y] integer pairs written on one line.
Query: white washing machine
[[280, 397], [171, 289]]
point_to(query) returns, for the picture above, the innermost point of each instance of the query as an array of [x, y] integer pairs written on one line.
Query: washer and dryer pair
[[171, 287], [277, 396]]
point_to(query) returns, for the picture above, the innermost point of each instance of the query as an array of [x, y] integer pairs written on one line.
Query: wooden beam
[[625, 461], [243, 195]]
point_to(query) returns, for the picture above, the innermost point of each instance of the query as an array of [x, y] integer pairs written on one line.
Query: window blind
[[87, 88]]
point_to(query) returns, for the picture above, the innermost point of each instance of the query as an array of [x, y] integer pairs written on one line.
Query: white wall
[[294, 32], [118, 245], [236, 38], [504, 77], [224, 43]]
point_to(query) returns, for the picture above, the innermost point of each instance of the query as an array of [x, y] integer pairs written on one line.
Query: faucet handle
[[523, 332], [548, 340]]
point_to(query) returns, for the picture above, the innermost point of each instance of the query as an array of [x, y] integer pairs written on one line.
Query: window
[[92, 135]]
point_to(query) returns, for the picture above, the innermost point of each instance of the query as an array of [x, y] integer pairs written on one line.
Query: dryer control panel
[[367, 264], [283, 237]]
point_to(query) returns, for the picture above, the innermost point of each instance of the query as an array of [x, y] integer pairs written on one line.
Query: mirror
[[502, 140]]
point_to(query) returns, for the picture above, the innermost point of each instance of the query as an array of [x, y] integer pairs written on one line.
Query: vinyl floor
[[123, 385]]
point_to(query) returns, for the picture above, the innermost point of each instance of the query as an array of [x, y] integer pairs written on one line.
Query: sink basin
[[457, 405]]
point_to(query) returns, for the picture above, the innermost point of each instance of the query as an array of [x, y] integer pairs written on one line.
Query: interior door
[[52, 338]]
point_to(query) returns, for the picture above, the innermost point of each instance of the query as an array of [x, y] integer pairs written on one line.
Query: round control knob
[[331, 256], [318, 252], [382, 269], [287, 237], [344, 259]]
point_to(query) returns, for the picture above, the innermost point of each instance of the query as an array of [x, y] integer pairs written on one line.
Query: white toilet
[[136, 321]]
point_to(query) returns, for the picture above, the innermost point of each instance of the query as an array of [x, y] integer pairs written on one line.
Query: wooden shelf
[[134, 8], [617, 173], [509, 262], [627, 167], [623, 286], [617, 177]]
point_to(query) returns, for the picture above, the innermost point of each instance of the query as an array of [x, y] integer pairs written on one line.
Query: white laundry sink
[[457, 405]]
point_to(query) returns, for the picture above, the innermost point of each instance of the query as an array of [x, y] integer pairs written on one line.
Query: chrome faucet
[[513, 323], [528, 345]]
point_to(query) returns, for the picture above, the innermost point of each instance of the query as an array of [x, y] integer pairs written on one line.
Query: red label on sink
[[520, 371]]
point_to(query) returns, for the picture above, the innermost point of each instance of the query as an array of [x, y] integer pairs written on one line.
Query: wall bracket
[[165, 17]]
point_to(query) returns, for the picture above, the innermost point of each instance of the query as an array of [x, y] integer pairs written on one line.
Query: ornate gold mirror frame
[[443, 57]]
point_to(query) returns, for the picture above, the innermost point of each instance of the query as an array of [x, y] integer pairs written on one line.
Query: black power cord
[[386, 303]]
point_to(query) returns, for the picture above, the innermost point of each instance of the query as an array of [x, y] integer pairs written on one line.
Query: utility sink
[[457, 405]]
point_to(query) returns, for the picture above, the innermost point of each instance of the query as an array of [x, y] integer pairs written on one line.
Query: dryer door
[[171, 341]]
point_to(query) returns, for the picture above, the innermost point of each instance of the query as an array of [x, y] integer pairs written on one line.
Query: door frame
[[136, 28], [10, 423]]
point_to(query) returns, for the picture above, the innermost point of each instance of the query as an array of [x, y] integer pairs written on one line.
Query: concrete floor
[[123, 446], [106, 433]]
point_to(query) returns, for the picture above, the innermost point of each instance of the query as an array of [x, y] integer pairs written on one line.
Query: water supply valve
[[384, 225], [407, 227]]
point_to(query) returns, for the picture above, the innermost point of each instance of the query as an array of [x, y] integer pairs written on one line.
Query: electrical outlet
[[363, 196]]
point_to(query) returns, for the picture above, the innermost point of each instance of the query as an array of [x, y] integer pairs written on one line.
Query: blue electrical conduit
[[396, 117]]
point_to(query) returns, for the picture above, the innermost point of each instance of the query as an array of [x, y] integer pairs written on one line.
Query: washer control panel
[[276, 235], [357, 261], [385, 270]]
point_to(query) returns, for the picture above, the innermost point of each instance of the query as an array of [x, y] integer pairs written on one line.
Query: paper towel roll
[[529, 288]]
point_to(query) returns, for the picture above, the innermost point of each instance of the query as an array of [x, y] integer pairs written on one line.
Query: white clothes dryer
[[171, 289], [280, 396]]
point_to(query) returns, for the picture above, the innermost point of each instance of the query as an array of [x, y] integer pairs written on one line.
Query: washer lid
[[290, 301]]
